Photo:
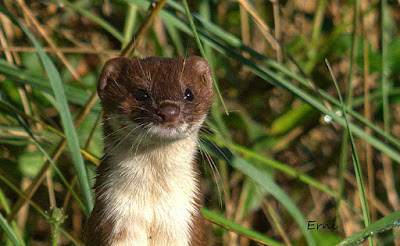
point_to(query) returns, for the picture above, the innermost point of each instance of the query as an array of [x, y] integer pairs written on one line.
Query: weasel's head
[[160, 98]]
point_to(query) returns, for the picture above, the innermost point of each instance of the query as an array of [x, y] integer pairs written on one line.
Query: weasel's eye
[[188, 95], [141, 95]]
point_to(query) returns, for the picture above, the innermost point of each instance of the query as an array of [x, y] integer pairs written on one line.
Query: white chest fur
[[152, 194]]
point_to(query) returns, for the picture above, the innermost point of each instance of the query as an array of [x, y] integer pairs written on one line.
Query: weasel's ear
[[201, 66], [110, 73]]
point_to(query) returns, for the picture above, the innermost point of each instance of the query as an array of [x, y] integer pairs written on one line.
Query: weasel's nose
[[169, 113]]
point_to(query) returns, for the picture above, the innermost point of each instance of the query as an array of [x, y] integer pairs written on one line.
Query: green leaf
[[30, 163], [292, 119], [326, 238]]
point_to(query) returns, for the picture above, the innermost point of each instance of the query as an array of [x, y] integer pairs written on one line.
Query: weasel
[[147, 188]]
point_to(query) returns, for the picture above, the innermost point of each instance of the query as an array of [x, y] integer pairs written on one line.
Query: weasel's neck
[[149, 196], [165, 166]]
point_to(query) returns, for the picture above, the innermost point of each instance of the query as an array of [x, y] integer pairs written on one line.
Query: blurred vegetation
[[283, 157]]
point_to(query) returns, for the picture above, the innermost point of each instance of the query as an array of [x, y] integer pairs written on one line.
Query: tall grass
[[280, 134]]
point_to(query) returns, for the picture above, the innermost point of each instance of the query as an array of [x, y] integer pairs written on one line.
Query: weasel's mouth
[[168, 131]]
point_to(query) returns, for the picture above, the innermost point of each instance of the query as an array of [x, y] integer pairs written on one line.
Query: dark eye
[[141, 95], [188, 95]]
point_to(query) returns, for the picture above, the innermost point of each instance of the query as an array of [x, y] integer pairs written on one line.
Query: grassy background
[[288, 153]]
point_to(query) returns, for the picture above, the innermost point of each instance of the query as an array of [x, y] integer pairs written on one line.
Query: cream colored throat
[[152, 194]]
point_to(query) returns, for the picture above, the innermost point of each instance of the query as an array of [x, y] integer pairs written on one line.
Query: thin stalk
[[268, 209], [56, 218], [277, 24], [203, 54], [130, 22], [367, 115], [357, 166], [316, 30], [244, 27]]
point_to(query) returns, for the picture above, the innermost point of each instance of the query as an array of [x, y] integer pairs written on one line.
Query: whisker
[[148, 76], [219, 150], [121, 141], [135, 143], [115, 81], [143, 137], [216, 175], [141, 68], [113, 117], [142, 108], [116, 131], [183, 68]]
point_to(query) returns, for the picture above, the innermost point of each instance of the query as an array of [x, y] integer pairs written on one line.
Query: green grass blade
[[194, 30], [232, 226], [8, 230], [205, 12], [384, 224], [4, 202], [72, 138], [7, 209]]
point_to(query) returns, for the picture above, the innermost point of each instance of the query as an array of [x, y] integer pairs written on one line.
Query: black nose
[[169, 113]]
